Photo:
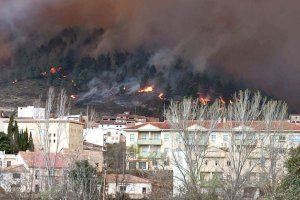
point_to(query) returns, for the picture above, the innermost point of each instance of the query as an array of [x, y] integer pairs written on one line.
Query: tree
[[84, 181], [13, 134], [4, 143], [290, 186], [30, 143]]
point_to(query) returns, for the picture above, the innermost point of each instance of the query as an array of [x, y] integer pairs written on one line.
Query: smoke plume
[[256, 41]]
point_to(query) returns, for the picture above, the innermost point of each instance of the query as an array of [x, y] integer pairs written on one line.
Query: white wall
[[134, 190], [31, 112]]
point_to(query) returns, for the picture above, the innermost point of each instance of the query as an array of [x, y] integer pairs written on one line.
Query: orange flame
[[222, 101], [146, 89], [204, 100], [73, 96], [161, 96]]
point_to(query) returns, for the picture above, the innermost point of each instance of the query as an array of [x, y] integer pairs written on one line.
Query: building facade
[[55, 134]]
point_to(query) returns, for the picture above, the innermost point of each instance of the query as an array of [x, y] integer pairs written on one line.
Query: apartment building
[[62, 134], [158, 146], [149, 145]]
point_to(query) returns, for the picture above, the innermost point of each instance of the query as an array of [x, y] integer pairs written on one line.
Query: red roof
[[127, 178], [257, 125], [14, 169], [40, 159]]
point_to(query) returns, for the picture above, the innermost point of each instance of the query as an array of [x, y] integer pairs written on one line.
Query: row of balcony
[[149, 141]]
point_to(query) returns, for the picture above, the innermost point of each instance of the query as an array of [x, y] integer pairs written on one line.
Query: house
[[135, 187], [32, 170], [15, 178], [7, 160], [55, 134]]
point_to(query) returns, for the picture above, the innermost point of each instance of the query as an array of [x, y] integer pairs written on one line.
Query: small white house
[[31, 112], [7, 160], [108, 132], [135, 187]]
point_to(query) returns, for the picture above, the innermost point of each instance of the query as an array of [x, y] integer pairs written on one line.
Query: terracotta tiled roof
[[14, 169], [127, 178], [161, 125], [256, 125], [112, 123], [38, 159]]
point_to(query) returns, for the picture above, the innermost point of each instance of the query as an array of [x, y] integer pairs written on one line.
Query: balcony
[[149, 142], [151, 154]]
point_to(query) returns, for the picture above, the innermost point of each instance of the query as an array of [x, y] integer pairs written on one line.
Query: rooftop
[[126, 178]]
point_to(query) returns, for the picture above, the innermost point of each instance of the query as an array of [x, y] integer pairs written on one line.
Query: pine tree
[[30, 146], [16, 134], [10, 129], [26, 139]]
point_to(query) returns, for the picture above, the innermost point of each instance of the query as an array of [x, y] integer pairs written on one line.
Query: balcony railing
[[152, 154], [149, 142]]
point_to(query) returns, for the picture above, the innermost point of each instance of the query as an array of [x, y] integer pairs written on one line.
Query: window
[[144, 136], [167, 162], [37, 188], [213, 138], [54, 134], [156, 136], [206, 162], [53, 141], [49, 141], [228, 163], [166, 136], [144, 190], [37, 174], [216, 163], [122, 188], [131, 137], [225, 138], [132, 165], [16, 175], [8, 163], [142, 165], [144, 149], [282, 138], [0, 163], [51, 172]]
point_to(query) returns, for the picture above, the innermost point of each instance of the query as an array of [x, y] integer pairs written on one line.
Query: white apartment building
[[150, 145], [62, 134], [106, 132], [156, 145]]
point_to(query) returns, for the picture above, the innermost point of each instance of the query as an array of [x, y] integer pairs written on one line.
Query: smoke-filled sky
[[256, 41]]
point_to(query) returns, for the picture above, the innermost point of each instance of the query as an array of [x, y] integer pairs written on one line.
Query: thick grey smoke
[[256, 41]]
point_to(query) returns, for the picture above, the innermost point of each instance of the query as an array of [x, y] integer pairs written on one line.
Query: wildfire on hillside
[[73, 96], [161, 96], [54, 70], [146, 89], [204, 100], [222, 101]]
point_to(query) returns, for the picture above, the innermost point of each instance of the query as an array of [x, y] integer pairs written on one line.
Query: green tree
[[290, 185], [30, 143], [85, 180], [13, 136], [4, 142]]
